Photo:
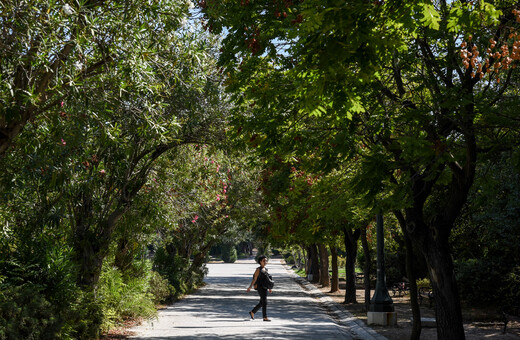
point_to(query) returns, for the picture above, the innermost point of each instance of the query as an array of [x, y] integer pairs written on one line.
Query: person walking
[[260, 283]]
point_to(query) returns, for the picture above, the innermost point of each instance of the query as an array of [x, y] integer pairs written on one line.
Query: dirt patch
[[122, 332], [480, 324]]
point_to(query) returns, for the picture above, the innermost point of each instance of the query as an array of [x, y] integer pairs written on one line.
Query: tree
[[484, 234], [84, 162], [385, 80], [50, 49]]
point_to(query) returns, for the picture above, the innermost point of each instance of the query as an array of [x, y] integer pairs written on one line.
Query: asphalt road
[[220, 310]]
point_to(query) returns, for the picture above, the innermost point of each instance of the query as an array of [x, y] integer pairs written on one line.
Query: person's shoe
[[266, 319], [252, 315]]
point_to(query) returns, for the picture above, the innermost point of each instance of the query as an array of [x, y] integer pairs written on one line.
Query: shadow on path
[[220, 310]]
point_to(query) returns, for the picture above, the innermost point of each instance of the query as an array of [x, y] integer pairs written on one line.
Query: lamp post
[[381, 301]]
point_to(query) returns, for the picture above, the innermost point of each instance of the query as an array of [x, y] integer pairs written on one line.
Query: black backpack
[[264, 280], [269, 282]]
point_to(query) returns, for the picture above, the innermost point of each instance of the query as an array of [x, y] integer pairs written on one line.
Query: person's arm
[[255, 277]]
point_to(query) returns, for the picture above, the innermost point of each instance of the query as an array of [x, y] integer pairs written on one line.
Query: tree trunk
[[124, 255], [367, 265], [350, 238], [447, 302], [334, 284], [91, 241], [324, 266], [89, 257], [301, 257], [433, 242], [314, 265], [91, 246], [416, 311], [306, 259]]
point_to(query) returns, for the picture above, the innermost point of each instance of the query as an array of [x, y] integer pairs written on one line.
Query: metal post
[[381, 301]]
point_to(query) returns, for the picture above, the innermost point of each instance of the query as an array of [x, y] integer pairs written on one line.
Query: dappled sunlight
[[220, 310]]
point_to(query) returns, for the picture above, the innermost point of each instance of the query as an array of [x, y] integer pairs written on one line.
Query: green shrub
[[122, 300], [477, 281], [177, 270], [25, 313], [40, 300], [229, 253], [509, 292], [423, 283], [160, 288], [243, 256], [85, 317]]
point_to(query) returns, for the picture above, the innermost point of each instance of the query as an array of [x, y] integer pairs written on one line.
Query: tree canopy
[[410, 88]]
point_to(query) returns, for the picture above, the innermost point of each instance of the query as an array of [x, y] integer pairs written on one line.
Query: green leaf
[[318, 111], [431, 17]]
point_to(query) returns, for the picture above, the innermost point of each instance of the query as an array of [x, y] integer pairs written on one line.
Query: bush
[[243, 256], [122, 300], [289, 259], [477, 281], [85, 318], [177, 270], [160, 288], [509, 292], [40, 300], [25, 313], [229, 253], [423, 283]]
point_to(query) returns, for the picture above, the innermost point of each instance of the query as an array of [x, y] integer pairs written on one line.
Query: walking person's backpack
[[265, 279], [269, 280]]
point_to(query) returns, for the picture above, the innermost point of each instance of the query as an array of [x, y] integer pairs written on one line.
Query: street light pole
[[381, 301]]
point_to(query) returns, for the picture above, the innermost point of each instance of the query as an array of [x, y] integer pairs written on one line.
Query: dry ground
[[479, 324]]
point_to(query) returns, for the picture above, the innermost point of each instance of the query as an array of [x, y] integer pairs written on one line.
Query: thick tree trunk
[[367, 265], [89, 257], [350, 238], [91, 246], [334, 284], [447, 302], [314, 265], [414, 303], [324, 266], [432, 240], [91, 241]]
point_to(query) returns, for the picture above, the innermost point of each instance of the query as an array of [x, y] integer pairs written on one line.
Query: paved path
[[220, 310]]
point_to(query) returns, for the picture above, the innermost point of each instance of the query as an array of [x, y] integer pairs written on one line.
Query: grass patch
[[300, 272]]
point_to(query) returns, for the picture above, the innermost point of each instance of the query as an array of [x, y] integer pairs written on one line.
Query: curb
[[357, 328]]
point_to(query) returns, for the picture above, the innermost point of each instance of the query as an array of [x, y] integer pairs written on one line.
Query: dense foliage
[[417, 92], [126, 133]]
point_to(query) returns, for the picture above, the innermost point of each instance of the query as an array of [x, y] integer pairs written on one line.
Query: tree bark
[[433, 242], [350, 238], [314, 265], [366, 267], [301, 257], [324, 265], [91, 246], [306, 259], [414, 303], [446, 296], [334, 284]]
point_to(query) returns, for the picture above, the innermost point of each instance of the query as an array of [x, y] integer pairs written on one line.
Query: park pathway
[[220, 310]]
